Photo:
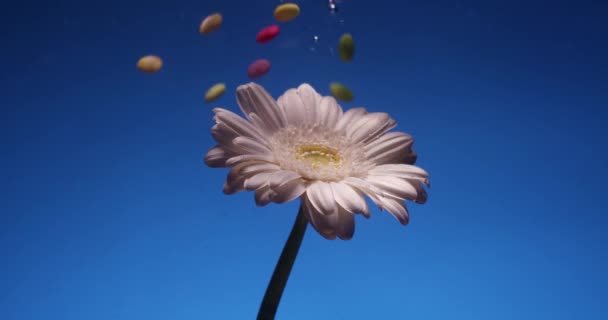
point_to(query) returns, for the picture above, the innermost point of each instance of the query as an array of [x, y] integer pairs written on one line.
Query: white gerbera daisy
[[304, 145]]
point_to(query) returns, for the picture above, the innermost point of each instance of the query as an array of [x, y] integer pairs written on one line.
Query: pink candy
[[258, 68], [267, 34]]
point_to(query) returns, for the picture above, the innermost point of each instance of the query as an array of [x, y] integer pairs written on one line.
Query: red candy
[[258, 68], [267, 34]]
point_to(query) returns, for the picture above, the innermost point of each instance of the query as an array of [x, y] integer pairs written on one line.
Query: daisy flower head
[[304, 146]]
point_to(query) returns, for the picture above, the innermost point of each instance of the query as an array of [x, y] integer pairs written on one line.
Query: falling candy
[[258, 68], [286, 12], [267, 34], [211, 23], [346, 47], [149, 64], [215, 92], [340, 92]]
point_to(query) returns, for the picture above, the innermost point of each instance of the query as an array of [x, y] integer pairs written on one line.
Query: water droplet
[[333, 8]]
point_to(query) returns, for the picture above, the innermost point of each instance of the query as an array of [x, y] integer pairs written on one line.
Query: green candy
[[346, 47], [340, 92]]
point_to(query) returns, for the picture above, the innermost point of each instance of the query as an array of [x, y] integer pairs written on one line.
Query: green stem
[[273, 294]]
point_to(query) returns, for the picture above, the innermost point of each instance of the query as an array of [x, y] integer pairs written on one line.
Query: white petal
[[393, 186], [236, 186], [349, 199], [364, 186], [325, 225], [223, 134], [422, 195], [320, 196], [405, 171], [388, 142], [253, 98], [224, 137], [409, 157], [330, 111], [397, 209], [216, 157], [310, 99], [249, 157], [369, 189], [349, 116], [346, 225], [370, 126], [376, 199], [263, 196], [257, 181], [393, 147], [238, 169], [416, 176], [251, 146], [288, 191], [260, 124], [248, 169], [259, 167], [281, 177], [339, 222], [291, 103], [235, 179], [237, 124], [239, 173]]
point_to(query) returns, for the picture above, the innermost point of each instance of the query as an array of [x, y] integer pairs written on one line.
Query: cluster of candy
[[282, 13]]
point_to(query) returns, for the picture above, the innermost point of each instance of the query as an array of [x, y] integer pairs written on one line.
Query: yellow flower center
[[318, 155], [316, 152]]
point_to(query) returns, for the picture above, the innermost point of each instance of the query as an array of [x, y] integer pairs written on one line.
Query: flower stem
[[274, 291]]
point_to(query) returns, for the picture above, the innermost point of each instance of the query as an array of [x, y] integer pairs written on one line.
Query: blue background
[[107, 211]]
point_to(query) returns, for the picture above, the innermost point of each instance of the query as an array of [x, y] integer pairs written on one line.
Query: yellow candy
[[286, 12], [149, 64], [211, 23], [215, 92], [341, 92]]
